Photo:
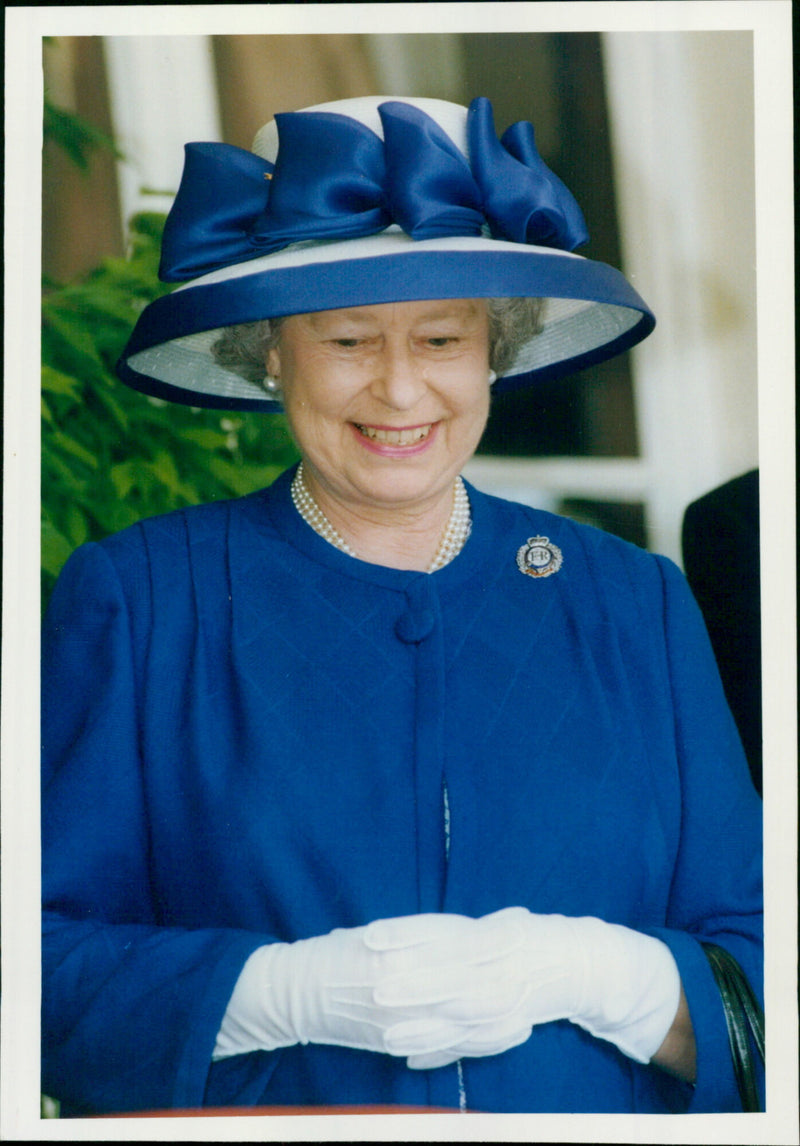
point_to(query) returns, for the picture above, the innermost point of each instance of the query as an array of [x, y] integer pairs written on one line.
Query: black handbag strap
[[745, 1021]]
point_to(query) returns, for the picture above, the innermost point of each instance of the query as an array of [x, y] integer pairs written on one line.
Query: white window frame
[[685, 191], [163, 94]]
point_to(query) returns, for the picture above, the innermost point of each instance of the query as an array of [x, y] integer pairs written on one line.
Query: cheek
[[312, 394], [480, 416], [474, 397]]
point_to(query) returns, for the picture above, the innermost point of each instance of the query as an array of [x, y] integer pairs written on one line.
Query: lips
[[408, 436]]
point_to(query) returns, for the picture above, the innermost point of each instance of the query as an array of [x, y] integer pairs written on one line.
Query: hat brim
[[591, 312]]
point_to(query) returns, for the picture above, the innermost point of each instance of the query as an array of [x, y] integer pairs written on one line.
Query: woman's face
[[386, 403]]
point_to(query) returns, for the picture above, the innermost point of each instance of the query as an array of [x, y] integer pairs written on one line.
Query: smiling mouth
[[408, 437]]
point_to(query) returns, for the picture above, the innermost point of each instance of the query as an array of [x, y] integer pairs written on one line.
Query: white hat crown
[[451, 117]]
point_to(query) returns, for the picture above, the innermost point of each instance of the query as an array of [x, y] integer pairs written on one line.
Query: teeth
[[396, 437]]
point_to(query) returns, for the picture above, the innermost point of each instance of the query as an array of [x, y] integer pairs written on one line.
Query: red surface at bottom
[[259, 1111]]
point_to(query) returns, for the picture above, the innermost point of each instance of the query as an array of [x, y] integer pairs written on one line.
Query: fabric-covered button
[[413, 627]]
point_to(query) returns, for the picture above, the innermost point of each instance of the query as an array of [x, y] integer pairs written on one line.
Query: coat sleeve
[[717, 893], [130, 1009]]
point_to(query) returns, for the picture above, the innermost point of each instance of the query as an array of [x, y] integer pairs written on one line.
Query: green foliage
[[75, 135], [111, 456]]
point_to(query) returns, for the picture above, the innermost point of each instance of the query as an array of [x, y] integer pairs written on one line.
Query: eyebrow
[[362, 317]]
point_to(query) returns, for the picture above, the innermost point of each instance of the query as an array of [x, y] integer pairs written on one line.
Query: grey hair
[[512, 322], [244, 348]]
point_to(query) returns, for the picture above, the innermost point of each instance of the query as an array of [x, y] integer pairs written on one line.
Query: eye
[[347, 343], [443, 340]]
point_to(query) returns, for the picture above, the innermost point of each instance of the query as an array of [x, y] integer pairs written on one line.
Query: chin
[[400, 488]]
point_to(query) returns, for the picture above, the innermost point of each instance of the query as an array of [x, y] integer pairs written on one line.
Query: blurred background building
[[653, 133]]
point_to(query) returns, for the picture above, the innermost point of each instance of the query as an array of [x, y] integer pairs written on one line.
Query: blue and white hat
[[372, 200]]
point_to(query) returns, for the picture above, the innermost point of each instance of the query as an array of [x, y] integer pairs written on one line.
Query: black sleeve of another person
[[721, 561]]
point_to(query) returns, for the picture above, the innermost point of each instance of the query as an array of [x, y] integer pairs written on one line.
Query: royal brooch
[[539, 557]]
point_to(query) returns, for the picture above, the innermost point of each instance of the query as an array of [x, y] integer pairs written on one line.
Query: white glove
[[326, 989], [618, 984], [435, 988]]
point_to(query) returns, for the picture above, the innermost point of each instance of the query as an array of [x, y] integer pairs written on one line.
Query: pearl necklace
[[453, 539]]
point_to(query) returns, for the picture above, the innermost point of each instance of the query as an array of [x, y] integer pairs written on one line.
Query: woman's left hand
[[504, 973]]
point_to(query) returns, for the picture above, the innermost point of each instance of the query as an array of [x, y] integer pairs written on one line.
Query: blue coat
[[247, 735]]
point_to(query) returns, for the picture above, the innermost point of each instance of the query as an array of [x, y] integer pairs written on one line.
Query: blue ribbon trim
[[357, 282], [334, 178]]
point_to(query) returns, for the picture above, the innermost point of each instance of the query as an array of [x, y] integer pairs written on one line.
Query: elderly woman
[[369, 787]]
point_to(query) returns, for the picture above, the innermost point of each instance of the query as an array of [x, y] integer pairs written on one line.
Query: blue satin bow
[[336, 179]]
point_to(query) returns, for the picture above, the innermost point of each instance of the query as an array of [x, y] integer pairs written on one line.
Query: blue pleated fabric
[[246, 738]]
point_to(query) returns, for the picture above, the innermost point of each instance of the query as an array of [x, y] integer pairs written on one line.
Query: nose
[[399, 376]]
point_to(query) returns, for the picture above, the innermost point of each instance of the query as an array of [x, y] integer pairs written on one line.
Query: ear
[[274, 362]]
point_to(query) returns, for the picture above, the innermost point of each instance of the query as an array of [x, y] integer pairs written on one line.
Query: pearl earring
[[492, 377], [271, 385]]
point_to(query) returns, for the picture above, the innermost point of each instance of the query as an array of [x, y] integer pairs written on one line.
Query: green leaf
[[242, 479], [55, 548], [96, 301], [123, 477], [112, 405], [77, 525], [206, 438], [71, 446], [113, 516], [58, 478], [149, 224], [164, 468], [71, 345], [57, 382], [76, 135]]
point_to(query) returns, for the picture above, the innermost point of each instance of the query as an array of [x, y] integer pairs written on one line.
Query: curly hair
[[243, 348], [512, 323]]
